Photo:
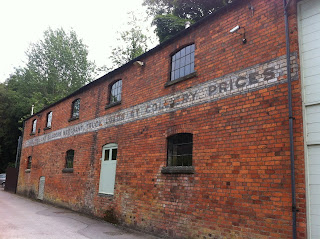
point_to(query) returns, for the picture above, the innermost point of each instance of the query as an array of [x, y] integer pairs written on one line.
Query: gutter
[[291, 118], [157, 48]]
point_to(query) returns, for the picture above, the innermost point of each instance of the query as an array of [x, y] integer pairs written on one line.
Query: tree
[[187, 9], [10, 113], [58, 64], [131, 44], [168, 25], [170, 15]]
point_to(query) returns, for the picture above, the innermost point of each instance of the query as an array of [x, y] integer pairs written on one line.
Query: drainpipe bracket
[[294, 209]]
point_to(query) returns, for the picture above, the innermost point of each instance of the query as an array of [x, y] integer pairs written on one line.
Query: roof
[[146, 54]]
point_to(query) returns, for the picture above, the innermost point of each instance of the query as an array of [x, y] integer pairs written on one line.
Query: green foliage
[[195, 10], [171, 15], [168, 25], [11, 164], [56, 67], [131, 44], [10, 113], [187, 9], [159, 7]]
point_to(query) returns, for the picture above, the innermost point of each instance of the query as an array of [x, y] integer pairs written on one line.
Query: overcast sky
[[95, 21]]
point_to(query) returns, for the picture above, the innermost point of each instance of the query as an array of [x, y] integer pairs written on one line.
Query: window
[[180, 150], [29, 162], [110, 152], [34, 126], [75, 109], [69, 158], [115, 92], [49, 119], [182, 63]]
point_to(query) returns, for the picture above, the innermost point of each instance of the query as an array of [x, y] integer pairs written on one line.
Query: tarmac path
[[22, 218]]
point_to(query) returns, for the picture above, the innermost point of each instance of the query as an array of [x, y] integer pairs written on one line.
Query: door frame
[[106, 147]]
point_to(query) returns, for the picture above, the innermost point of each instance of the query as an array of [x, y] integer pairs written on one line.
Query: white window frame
[[34, 126], [49, 119], [75, 111], [110, 147]]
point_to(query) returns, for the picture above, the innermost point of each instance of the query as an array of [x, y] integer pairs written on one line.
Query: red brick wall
[[241, 187]]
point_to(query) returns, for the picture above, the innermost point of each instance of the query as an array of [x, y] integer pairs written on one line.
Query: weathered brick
[[236, 109]]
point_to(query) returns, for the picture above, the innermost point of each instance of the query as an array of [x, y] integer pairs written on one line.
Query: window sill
[[191, 75], [32, 134], [113, 104], [67, 170], [72, 119], [178, 170], [27, 171], [47, 128], [105, 195]]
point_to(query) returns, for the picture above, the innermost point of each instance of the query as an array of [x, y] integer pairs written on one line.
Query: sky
[[96, 22]]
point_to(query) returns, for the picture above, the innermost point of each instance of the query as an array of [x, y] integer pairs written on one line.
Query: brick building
[[192, 139]]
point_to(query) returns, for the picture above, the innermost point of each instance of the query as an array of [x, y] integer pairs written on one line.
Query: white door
[[309, 42], [108, 169], [41, 187]]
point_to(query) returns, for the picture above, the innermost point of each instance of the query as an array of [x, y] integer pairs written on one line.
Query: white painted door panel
[[312, 54], [312, 89], [308, 22], [311, 81], [41, 187], [108, 169], [315, 169], [309, 43], [309, 8], [311, 37], [309, 46], [315, 62], [315, 188], [311, 26], [107, 177], [312, 71], [315, 229], [313, 125]]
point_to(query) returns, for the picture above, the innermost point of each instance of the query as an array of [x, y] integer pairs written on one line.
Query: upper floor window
[[49, 119], [182, 63], [115, 92], [180, 149], [29, 162], [34, 126], [75, 109], [69, 158]]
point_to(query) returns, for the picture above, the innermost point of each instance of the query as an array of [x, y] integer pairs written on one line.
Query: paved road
[[22, 218]]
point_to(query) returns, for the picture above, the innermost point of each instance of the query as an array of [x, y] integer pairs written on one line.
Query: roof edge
[[146, 54]]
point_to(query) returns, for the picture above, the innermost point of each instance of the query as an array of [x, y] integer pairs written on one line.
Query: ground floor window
[[29, 162], [180, 149], [69, 158]]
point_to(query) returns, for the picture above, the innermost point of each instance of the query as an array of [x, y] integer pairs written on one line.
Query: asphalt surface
[[22, 218]]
